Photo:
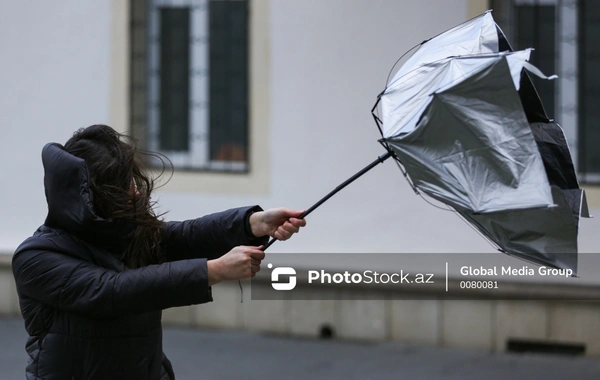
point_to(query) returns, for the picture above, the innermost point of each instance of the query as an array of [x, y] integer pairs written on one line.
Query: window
[[536, 27], [532, 23], [564, 35], [589, 90], [189, 81]]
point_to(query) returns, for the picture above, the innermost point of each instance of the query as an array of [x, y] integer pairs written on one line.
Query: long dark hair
[[121, 189]]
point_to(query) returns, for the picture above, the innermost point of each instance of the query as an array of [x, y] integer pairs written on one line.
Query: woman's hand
[[244, 261], [240, 263], [280, 223]]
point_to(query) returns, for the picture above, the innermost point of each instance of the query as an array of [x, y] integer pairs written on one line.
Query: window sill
[[252, 183]]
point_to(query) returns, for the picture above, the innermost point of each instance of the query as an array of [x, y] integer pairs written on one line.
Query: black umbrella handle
[[312, 208]]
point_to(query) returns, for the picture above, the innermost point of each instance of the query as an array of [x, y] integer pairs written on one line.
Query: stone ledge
[[5, 260]]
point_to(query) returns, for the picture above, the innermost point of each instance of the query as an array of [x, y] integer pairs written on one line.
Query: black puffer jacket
[[87, 315]]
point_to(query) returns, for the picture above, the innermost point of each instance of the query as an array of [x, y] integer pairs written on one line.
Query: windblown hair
[[116, 171]]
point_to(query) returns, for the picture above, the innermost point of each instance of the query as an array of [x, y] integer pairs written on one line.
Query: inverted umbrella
[[465, 124]]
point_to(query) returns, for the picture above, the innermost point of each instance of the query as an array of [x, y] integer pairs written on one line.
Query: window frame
[[567, 62], [146, 127]]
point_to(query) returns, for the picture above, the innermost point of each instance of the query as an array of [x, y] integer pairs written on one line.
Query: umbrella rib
[[387, 80]]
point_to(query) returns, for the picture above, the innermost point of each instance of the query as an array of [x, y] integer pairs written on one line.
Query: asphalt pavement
[[211, 354]]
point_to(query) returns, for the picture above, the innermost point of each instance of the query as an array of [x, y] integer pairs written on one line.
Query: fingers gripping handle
[[273, 240]]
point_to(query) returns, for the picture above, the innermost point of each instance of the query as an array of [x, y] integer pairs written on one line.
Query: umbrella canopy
[[464, 120]]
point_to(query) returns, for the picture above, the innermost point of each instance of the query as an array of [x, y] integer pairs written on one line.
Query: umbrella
[[463, 121]]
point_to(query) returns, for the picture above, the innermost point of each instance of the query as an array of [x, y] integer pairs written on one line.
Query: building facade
[[293, 91]]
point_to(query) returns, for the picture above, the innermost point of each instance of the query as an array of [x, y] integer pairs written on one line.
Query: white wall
[[54, 76], [328, 61]]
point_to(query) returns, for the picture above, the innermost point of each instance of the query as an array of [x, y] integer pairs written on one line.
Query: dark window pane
[[228, 80], [137, 69], [536, 27], [174, 79], [589, 82]]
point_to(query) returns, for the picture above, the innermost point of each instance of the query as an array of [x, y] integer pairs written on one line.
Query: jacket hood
[[70, 199]]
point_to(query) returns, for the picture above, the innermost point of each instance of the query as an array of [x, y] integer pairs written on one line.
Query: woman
[[93, 279]]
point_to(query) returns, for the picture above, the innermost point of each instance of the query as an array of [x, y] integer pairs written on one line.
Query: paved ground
[[204, 354]]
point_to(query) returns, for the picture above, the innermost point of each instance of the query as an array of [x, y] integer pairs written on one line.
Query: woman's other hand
[[280, 223]]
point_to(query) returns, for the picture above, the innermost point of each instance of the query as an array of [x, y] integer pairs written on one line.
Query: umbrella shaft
[[312, 208]]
